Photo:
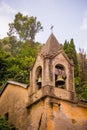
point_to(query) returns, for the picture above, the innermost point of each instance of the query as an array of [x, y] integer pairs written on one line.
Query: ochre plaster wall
[[55, 114], [68, 116], [13, 100]]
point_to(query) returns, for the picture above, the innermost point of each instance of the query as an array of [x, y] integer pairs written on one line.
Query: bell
[[60, 80], [39, 81]]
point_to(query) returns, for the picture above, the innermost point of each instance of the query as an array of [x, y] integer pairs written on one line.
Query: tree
[[9, 67], [82, 87], [26, 27], [25, 59], [3, 66], [82, 59], [66, 47], [10, 45], [73, 55], [80, 68], [69, 48]]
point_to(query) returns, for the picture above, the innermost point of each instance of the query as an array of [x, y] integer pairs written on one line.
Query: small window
[[7, 116]]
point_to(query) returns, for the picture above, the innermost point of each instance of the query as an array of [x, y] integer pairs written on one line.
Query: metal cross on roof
[[51, 29]]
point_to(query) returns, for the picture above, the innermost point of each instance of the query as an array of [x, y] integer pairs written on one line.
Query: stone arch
[[60, 76], [38, 77]]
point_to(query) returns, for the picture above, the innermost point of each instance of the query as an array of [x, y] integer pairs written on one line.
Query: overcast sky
[[69, 18]]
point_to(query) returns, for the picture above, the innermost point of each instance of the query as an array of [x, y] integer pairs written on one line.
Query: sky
[[68, 17]]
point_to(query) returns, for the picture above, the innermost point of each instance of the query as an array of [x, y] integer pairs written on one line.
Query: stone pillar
[[46, 78]]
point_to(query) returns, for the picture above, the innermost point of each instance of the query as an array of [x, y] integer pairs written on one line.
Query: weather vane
[[51, 28]]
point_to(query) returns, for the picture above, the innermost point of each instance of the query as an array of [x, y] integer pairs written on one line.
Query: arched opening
[[60, 76], [39, 77]]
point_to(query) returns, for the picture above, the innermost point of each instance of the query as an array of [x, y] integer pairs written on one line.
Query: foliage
[[5, 125], [3, 66], [26, 27], [10, 45], [81, 88], [82, 91], [69, 48], [80, 68], [25, 59], [17, 67]]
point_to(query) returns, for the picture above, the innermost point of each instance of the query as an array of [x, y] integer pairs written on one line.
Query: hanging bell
[[60, 80], [39, 81]]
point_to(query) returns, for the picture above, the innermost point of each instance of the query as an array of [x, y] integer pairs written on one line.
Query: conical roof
[[51, 47]]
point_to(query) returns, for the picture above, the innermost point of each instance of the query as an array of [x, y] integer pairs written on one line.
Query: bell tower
[[52, 74]]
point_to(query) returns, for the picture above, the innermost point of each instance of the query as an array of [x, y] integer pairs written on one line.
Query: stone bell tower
[[52, 73], [52, 99]]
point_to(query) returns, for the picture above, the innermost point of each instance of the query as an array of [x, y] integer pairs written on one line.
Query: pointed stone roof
[[51, 47]]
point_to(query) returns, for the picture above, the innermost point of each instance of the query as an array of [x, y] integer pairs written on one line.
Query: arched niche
[[39, 77], [60, 76]]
